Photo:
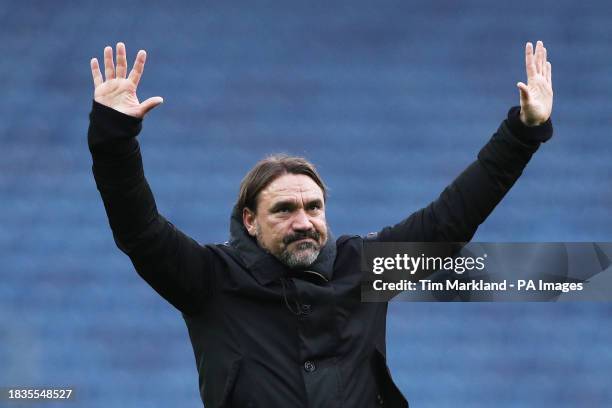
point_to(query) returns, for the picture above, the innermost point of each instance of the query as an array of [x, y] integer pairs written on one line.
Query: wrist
[[536, 133], [110, 129], [529, 122]]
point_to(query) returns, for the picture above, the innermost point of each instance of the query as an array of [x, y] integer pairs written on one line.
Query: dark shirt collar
[[267, 268]]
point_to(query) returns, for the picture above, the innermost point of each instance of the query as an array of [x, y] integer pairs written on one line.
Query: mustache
[[301, 235]]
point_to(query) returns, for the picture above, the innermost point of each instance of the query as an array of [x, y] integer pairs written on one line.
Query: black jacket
[[264, 335]]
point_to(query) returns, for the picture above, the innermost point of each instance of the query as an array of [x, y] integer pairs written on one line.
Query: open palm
[[118, 91], [537, 95]]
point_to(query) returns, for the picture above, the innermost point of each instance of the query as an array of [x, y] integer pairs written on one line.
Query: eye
[[314, 207], [284, 209]]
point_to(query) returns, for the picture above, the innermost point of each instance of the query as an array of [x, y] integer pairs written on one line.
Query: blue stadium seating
[[391, 99]]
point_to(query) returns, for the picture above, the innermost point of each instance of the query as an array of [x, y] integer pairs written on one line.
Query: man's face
[[290, 220]]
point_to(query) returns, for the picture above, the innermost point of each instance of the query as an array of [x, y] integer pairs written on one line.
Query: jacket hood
[[266, 267]]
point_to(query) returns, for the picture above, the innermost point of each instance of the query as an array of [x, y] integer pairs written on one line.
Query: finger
[[121, 60], [109, 66], [549, 72], [539, 59], [524, 90], [151, 103], [529, 64], [138, 68], [95, 72]]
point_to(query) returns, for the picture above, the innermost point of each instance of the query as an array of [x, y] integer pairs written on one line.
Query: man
[[275, 316]]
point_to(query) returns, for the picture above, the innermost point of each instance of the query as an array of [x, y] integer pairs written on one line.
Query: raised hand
[[117, 91], [537, 95]]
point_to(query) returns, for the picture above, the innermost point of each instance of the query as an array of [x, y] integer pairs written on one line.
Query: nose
[[301, 221]]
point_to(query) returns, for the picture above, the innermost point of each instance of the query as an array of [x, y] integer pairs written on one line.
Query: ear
[[249, 220]]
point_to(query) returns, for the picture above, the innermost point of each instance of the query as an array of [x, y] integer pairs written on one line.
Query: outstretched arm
[[471, 197], [176, 266]]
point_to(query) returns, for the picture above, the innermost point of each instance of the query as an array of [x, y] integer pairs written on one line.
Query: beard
[[302, 255]]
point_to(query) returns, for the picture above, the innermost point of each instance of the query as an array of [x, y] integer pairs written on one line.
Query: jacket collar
[[266, 268]]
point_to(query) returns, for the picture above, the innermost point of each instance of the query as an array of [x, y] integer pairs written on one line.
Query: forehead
[[291, 187]]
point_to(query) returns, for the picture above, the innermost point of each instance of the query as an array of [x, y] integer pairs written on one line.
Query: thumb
[[524, 90], [151, 103]]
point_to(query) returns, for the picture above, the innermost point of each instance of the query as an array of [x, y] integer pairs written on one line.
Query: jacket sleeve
[[176, 266], [472, 196]]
